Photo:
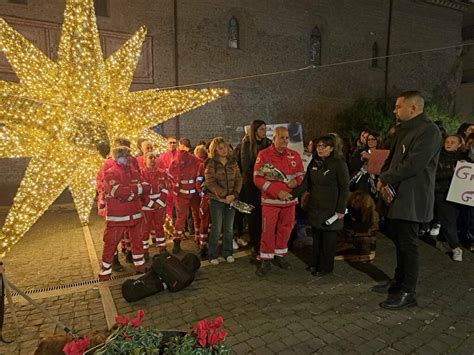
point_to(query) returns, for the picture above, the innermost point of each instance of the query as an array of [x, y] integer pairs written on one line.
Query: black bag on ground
[[146, 285], [172, 271], [191, 262]]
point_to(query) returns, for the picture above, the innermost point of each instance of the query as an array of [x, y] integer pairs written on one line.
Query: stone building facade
[[198, 41], [465, 96]]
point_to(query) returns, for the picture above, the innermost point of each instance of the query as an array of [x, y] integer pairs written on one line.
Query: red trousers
[[277, 224], [182, 206], [154, 221], [112, 236], [204, 222], [169, 205]]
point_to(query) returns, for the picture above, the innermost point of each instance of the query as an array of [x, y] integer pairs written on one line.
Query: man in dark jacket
[[411, 171]]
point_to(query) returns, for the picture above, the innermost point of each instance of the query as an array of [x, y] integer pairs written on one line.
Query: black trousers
[[253, 197], [405, 237], [446, 213], [324, 249]]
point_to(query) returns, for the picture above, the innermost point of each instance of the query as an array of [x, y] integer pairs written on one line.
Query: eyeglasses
[[321, 146], [172, 142]]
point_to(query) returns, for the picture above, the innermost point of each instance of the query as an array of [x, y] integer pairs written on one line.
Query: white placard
[[462, 185]]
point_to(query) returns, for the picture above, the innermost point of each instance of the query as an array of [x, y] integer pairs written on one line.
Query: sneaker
[[235, 246], [443, 246], [230, 259], [242, 242], [457, 254], [214, 261], [434, 231], [264, 268], [281, 262]]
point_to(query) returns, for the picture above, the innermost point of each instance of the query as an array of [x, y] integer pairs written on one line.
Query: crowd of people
[[138, 192]]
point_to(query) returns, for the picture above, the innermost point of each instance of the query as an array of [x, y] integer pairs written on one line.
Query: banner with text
[[462, 185]]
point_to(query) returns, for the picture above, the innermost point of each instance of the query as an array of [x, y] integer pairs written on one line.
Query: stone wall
[[274, 36]]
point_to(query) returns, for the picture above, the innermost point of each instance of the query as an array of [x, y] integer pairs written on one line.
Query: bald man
[[410, 171], [278, 205]]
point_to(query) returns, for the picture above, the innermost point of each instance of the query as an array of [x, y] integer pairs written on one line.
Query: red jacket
[[140, 162], [184, 171], [200, 177], [108, 163], [288, 162], [123, 189], [159, 186], [165, 159]]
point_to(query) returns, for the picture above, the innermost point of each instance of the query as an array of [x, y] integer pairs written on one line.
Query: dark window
[[375, 54], [101, 7], [315, 47], [24, 2], [233, 33]]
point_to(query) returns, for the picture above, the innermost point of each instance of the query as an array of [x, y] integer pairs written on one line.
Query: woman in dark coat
[[252, 143], [327, 189]]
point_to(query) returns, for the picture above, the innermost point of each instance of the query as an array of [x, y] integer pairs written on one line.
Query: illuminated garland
[[60, 112]]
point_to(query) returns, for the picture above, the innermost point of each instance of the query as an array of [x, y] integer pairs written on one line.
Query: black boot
[[281, 262], [116, 266], [264, 268], [176, 246], [404, 300], [203, 254]]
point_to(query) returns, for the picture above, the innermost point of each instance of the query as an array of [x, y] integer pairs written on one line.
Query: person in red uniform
[[184, 172], [155, 215], [123, 190], [204, 212], [278, 205], [145, 147], [164, 162], [101, 210]]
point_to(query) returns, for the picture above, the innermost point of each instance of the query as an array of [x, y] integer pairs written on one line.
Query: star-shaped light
[[61, 112]]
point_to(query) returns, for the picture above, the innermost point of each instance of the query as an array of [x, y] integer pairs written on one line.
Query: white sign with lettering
[[462, 185]]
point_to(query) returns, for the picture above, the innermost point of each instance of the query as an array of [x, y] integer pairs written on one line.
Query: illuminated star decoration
[[61, 112]]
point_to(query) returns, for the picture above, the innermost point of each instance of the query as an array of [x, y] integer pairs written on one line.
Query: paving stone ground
[[289, 312]]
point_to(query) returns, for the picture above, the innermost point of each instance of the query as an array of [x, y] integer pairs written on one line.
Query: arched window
[[315, 47], [233, 33], [375, 54]]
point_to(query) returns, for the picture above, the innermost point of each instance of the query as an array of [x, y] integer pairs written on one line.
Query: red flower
[[218, 322], [209, 333], [138, 319], [76, 347], [122, 320]]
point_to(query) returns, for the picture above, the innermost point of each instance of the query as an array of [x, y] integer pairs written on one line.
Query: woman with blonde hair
[[223, 184]]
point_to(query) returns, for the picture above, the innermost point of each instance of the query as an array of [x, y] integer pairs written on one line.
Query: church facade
[[336, 43]]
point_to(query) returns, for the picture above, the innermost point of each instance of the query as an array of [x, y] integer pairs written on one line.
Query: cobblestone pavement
[[287, 312], [53, 252]]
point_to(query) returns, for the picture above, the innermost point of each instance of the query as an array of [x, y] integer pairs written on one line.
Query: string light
[[61, 112]]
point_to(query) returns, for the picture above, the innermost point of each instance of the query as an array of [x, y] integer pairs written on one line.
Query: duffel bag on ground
[[172, 271], [191, 262], [146, 285]]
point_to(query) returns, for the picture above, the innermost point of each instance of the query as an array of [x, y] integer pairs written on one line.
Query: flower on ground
[[76, 347]]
